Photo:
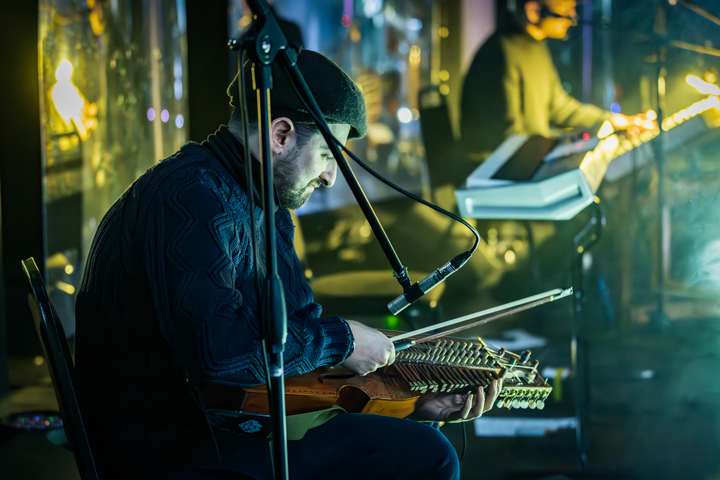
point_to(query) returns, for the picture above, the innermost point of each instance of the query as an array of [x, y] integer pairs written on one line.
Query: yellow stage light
[[702, 86], [65, 287], [67, 99], [509, 256], [606, 129], [651, 115]]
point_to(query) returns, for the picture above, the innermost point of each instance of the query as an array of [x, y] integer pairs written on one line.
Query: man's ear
[[283, 135], [532, 12]]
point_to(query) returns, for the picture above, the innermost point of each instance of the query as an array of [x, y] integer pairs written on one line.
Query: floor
[[652, 398]]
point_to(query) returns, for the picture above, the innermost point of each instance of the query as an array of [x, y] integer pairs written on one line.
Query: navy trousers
[[349, 446]]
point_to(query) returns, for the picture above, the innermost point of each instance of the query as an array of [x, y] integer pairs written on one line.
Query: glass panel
[[114, 102]]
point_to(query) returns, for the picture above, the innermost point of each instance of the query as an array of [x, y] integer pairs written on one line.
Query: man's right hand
[[372, 349]]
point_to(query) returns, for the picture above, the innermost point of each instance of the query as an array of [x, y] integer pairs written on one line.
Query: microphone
[[417, 290]]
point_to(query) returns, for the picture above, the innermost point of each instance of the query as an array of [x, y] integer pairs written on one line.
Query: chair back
[[437, 133], [62, 369]]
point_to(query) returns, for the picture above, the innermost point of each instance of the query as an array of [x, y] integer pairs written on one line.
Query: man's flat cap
[[340, 100]]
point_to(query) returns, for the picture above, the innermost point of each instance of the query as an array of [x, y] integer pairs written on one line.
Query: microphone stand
[[264, 44], [261, 45]]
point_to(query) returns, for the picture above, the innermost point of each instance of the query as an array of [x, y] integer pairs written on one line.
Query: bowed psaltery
[[423, 363]]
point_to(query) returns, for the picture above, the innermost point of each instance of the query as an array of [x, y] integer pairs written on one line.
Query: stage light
[[413, 24], [444, 32], [404, 115], [606, 129], [178, 88], [179, 121], [415, 56], [65, 287], [69, 269], [372, 7], [710, 77], [510, 256], [67, 99], [444, 89], [702, 86], [444, 75], [164, 116], [651, 115], [151, 114], [610, 144]]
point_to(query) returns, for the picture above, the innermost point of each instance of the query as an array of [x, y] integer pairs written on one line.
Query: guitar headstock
[[455, 365]]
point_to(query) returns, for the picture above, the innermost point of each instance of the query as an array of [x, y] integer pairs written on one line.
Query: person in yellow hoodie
[[512, 86]]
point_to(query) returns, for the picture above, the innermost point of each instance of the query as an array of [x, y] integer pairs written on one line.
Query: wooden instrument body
[[377, 393], [446, 365]]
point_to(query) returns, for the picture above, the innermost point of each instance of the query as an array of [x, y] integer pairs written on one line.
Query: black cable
[[462, 454], [412, 195], [383, 179]]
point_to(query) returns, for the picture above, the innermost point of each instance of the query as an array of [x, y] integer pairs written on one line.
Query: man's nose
[[329, 175]]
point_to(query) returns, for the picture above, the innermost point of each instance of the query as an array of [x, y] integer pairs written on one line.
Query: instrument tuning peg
[[525, 356]]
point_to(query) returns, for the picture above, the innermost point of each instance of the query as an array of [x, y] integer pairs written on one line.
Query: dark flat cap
[[340, 100]]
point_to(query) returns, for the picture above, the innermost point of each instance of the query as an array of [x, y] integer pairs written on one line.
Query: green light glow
[[392, 322]]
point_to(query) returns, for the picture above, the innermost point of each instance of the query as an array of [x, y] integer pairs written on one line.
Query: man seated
[[168, 304], [512, 86]]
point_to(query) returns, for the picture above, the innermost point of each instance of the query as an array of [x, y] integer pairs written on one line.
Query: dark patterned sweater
[[168, 291]]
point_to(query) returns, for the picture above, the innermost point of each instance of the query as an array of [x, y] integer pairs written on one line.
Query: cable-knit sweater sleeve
[[196, 246]]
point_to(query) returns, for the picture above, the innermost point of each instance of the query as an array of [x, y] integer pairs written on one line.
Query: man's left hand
[[453, 408]]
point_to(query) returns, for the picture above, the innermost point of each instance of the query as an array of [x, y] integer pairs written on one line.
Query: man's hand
[[372, 349], [452, 408]]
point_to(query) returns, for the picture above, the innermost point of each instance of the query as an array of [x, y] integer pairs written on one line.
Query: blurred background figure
[[513, 87]]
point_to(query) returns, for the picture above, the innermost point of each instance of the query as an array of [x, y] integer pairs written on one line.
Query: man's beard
[[290, 194]]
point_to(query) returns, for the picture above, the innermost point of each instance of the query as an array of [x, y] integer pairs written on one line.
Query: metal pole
[[659, 152], [275, 314], [578, 348]]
